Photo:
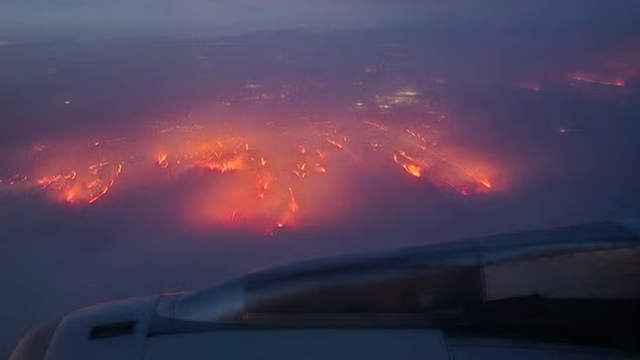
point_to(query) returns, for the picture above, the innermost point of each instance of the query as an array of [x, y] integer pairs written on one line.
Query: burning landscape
[[258, 175], [288, 149]]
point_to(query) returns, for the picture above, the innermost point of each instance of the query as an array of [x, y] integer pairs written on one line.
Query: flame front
[[88, 186], [270, 168]]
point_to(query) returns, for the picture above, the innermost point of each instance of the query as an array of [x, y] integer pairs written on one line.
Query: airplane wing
[[571, 292]]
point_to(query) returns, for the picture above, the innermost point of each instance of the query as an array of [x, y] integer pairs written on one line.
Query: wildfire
[[266, 178], [88, 186], [604, 82]]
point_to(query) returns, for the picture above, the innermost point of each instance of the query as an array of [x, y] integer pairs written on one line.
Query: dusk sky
[[150, 147]]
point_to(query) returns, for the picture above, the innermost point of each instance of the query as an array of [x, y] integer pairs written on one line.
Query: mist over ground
[[433, 121]]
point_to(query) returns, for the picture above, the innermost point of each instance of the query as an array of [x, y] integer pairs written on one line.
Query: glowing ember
[[162, 161], [412, 169], [334, 143]]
